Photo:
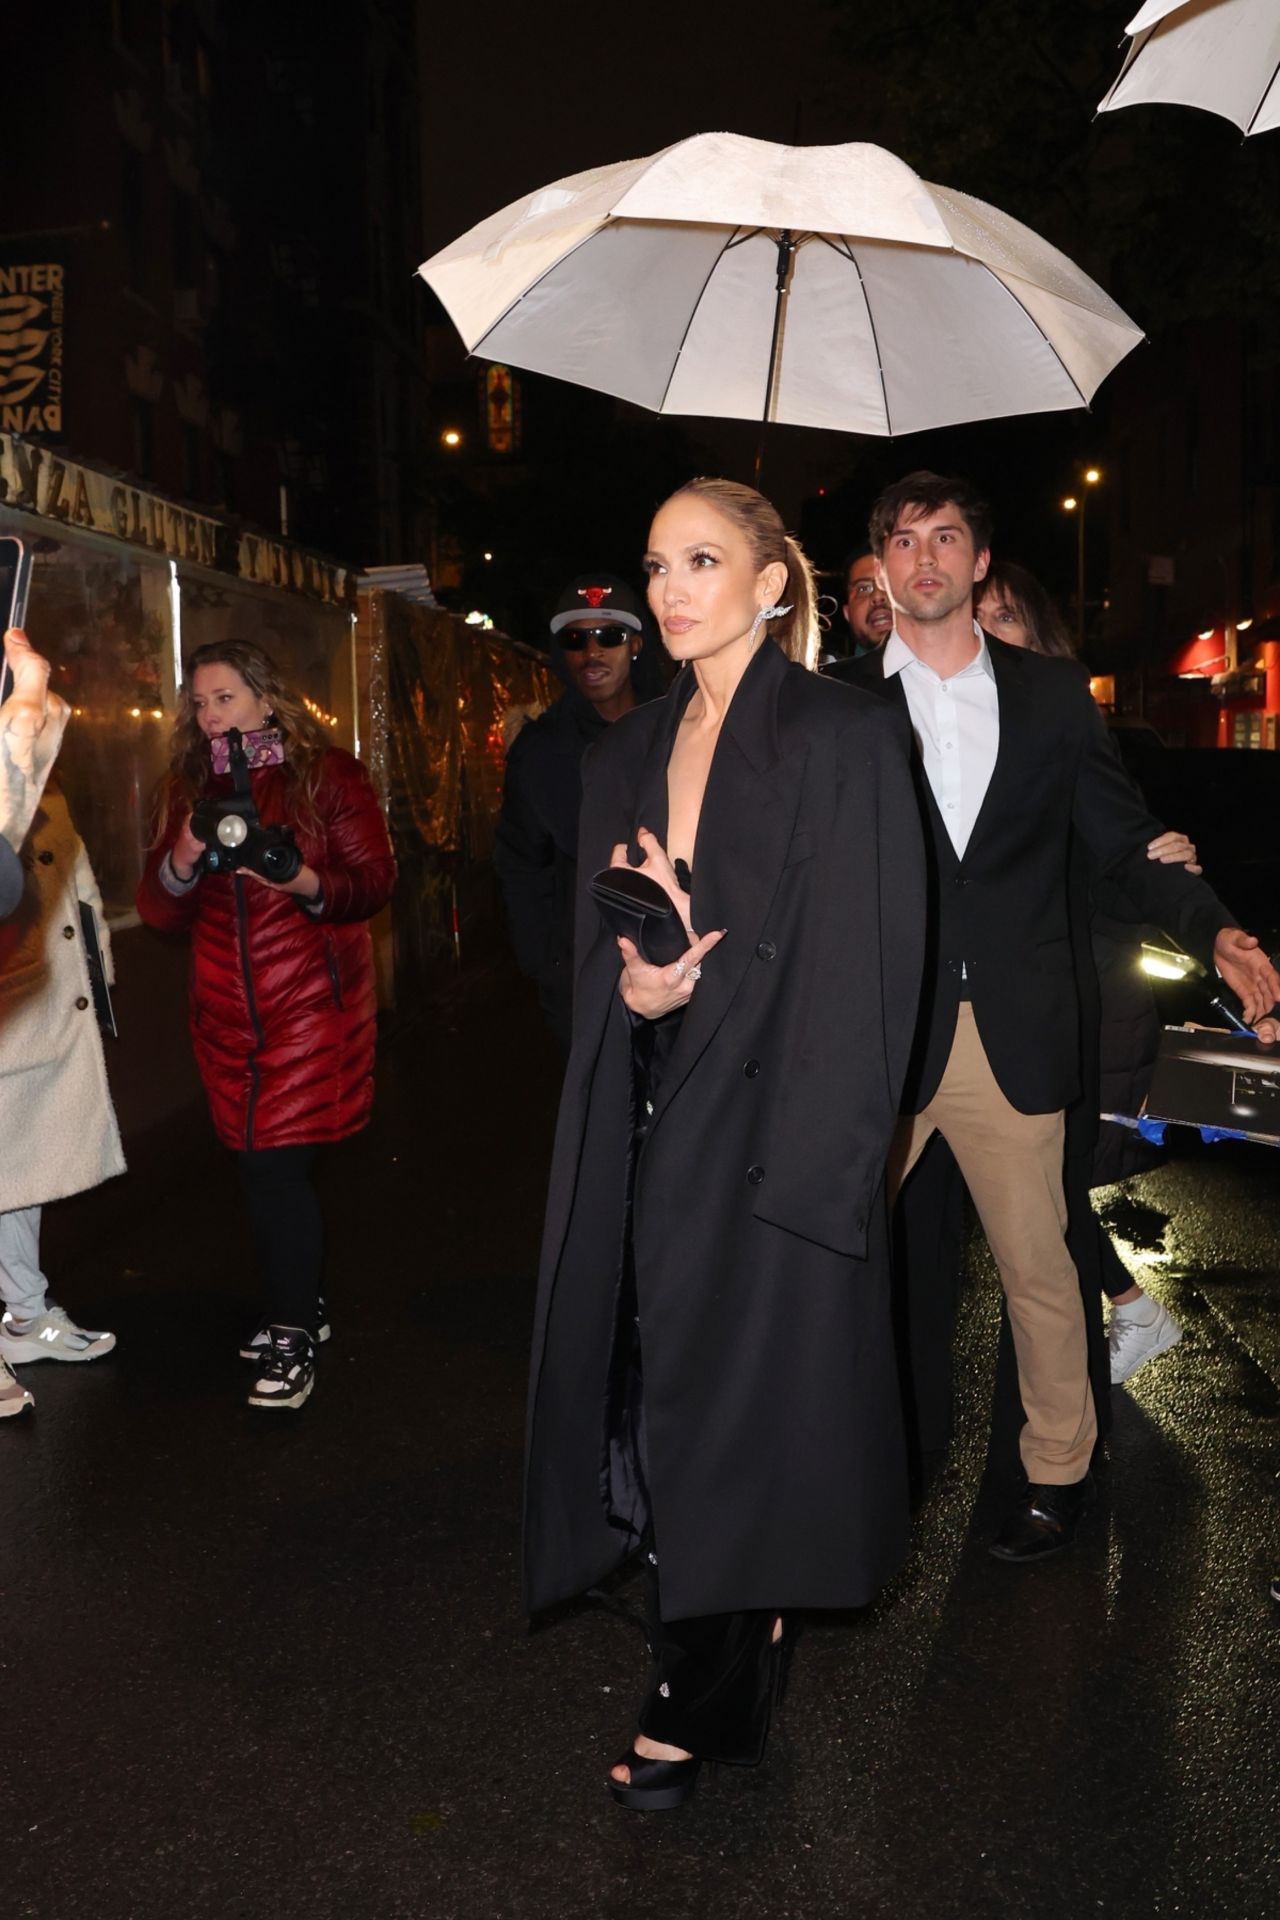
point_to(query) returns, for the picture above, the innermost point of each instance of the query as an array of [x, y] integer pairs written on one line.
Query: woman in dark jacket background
[[282, 1003]]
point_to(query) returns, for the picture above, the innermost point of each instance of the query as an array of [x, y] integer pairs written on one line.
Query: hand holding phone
[[26, 706], [15, 582]]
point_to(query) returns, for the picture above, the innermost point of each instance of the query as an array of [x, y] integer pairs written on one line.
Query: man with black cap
[[597, 639]]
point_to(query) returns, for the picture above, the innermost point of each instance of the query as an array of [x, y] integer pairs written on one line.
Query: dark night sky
[[519, 95]]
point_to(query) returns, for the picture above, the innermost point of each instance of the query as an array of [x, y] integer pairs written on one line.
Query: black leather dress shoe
[[1043, 1522]]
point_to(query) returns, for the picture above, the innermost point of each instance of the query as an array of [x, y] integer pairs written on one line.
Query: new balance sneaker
[[52, 1335], [260, 1339], [1132, 1342], [14, 1397], [288, 1372]]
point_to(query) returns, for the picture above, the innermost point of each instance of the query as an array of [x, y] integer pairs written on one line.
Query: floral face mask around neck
[[264, 748]]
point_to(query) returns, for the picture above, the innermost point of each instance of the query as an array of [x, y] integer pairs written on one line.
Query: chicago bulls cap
[[599, 598]]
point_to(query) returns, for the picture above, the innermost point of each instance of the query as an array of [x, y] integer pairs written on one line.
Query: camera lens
[[280, 862]]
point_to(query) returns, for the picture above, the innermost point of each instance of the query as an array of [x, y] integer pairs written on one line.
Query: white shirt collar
[[897, 655]]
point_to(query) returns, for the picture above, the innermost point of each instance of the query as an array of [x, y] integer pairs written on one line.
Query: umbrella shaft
[[786, 256]]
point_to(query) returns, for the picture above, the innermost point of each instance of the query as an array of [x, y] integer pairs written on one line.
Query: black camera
[[232, 833]]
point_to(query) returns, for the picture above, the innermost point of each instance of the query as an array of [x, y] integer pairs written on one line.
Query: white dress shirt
[[957, 727]]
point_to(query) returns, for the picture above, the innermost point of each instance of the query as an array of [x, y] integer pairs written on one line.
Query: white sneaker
[[14, 1397], [258, 1344], [1132, 1344], [53, 1336]]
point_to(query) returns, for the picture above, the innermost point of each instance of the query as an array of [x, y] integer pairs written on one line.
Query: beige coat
[[58, 1132]]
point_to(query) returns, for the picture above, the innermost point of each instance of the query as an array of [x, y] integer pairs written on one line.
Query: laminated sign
[[32, 316]]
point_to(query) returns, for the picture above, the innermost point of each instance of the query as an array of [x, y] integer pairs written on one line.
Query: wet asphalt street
[[272, 1665]]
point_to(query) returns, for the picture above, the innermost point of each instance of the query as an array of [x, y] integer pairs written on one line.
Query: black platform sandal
[[655, 1785]]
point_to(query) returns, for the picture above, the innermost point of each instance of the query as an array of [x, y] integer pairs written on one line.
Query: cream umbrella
[[822, 286], [1222, 55]]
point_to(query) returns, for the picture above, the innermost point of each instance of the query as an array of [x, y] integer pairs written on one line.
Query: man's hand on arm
[[1248, 971]]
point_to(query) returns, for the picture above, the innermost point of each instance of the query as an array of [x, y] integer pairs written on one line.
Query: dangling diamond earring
[[765, 613]]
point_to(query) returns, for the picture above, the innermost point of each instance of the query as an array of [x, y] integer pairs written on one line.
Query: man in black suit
[[1013, 762]]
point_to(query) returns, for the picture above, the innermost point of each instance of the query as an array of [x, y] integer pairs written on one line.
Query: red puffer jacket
[[282, 1002]]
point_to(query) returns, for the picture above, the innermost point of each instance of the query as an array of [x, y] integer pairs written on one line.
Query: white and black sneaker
[[260, 1339], [288, 1372]]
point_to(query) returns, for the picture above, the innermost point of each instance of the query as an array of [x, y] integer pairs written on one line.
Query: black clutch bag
[[632, 904]]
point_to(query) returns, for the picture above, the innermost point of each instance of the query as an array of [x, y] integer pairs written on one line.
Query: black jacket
[[1008, 912], [773, 1426], [535, 853]]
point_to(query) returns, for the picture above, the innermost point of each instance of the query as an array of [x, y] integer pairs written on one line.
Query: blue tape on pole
[[1152, 1131], [1210, 1135]]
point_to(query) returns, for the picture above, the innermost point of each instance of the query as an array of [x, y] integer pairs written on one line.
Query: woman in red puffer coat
[[282, 1003]]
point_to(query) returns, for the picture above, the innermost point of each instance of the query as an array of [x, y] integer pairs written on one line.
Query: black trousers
[[928, 1254], [288, 1234], [1116, 1277], [712, 1686]]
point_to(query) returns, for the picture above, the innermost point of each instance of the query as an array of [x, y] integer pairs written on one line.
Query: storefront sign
[[32, 315], [501, 410], [37, 481]]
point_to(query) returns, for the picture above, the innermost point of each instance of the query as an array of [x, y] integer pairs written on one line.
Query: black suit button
[[859, 1224], [766, 951], [68, 933], [961, 881], [46, 859], [754, 1176], [751, 1069], [81, 1004]]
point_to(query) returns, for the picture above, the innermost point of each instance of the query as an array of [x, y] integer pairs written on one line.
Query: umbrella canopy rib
[[524, 292], [852, 258], [734, 239], [1275, 75], [1023, 307]]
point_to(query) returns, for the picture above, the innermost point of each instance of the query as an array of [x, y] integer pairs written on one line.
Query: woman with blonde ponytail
[[713, 1379]]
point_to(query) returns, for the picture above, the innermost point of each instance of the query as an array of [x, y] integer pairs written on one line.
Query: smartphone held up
[[15, 581]]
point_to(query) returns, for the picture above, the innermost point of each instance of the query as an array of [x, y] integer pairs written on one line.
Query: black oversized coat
[[775, 1450]]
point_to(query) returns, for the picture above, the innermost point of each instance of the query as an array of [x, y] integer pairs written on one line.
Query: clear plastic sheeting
[[105, 614], [427, 701], [444, 699], [310, 643], [99, 611]]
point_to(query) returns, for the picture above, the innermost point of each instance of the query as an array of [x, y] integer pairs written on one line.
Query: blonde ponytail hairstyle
[[759, 521]]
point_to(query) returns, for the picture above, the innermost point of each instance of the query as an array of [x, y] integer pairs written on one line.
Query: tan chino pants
[[1012, 1165]]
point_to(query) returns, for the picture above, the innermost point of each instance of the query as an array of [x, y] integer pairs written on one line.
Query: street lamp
[[1071, 504]]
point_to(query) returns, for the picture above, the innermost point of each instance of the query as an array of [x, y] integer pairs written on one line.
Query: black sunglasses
[[574, 639]]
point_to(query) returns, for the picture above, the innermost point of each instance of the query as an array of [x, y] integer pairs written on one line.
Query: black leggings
[[288, 1234]]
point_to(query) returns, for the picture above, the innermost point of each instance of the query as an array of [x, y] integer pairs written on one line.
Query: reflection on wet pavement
[[280, 1669]]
